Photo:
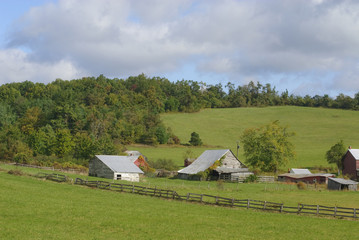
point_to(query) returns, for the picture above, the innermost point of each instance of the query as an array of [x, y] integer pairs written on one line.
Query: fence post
[[298, 208], [317, 210], [201, 198], [354, 212], [232, 202], [133, 188], [248, 202], [216, 199], [335, 211], [281, 208], [187, 196], [264, 206]]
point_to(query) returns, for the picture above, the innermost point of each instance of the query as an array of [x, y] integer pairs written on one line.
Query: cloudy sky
[[305, 46]]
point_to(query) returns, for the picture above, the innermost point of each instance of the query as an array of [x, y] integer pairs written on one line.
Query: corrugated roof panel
[[204, 161], [343, 181], [300, 171], [122, 164]]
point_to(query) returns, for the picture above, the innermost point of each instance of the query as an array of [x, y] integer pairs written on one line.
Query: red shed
[[308, 178], [351, 164]]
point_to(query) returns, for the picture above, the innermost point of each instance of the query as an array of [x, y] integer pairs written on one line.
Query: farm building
[[137, 158], [308, 178], [342, 184], [228, 166], [351, 164], [114, 167]]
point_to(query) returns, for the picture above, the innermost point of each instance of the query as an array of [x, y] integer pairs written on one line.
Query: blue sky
[[307, 47]]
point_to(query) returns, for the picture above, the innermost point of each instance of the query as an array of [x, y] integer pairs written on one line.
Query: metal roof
[[300, 171], [355, 153], [343, 181], [204, 161], [299, 176], [119, 164]]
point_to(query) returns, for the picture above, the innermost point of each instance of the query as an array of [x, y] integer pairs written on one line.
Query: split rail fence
[[317, 210]]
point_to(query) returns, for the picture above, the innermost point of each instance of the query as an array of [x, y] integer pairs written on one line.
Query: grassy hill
[[317, 129], [37, 209]]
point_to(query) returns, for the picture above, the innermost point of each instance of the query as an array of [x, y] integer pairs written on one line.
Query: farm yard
[[45, 209]]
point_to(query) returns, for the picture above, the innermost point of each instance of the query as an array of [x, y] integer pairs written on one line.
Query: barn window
[[118, 177]]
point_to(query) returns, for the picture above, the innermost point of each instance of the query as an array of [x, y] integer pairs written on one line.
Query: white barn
[[114, 167]]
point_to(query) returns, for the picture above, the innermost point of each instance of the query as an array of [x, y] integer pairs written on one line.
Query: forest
[[68, 122]]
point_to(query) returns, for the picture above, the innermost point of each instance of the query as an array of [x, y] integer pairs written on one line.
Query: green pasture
[[39, 209], [288, 194], [317, 129]]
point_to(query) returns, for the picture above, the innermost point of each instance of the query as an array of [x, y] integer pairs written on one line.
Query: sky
[[308, 47]]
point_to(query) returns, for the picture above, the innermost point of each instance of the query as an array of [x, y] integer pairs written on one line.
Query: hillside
[[317, 129]]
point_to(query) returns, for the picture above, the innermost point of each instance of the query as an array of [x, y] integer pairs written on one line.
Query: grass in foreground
[[37, 209]]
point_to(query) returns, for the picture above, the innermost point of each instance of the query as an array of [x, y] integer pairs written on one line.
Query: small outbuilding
[[342, 184], [114, 167], [351, 164], [138, 159], [223, 163], [307, 178]]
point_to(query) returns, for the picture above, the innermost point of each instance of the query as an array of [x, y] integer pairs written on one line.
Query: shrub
[[220, 184], [251, 178], [301, 186], [166, 164], [16, 172]]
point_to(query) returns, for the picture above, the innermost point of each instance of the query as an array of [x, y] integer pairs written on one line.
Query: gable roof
[[300, 171], [122, 164], [355, 153], [204, 161]]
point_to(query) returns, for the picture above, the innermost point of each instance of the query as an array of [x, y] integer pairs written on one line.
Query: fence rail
[[54, 177], [317, 210]]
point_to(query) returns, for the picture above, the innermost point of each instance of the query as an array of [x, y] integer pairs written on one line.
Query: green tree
[[335, 154], [195, 139], [268, 147]]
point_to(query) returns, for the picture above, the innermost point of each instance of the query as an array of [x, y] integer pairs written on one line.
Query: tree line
[[73, 120]]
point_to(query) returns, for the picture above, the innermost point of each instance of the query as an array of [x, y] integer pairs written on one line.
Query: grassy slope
[[274, 192], [317, 129], [37, 209]]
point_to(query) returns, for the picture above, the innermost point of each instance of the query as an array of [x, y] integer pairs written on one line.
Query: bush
[[251, 178], [166, 164], [16, 172], [301, 186], [195, 139]]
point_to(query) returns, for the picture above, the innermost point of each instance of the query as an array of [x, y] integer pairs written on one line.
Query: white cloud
[[240, 39], [16, 67]]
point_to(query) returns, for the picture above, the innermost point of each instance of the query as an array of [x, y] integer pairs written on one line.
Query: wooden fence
[[54, 177], [317, 210]]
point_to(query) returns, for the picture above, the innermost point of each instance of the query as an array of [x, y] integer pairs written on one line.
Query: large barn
[[114, 167], [229, 168], [351, 164]]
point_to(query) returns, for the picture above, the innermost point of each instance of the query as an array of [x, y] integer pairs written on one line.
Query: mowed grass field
[[317, 129], [38, 209]]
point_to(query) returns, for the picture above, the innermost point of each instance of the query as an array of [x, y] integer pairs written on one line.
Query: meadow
[[38, 209], [317, 129]]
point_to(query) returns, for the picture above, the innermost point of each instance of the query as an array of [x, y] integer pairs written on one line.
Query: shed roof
[[299, 176], [343, 181], [204, 161], [120, 164], [300, 171], [355, 153]]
